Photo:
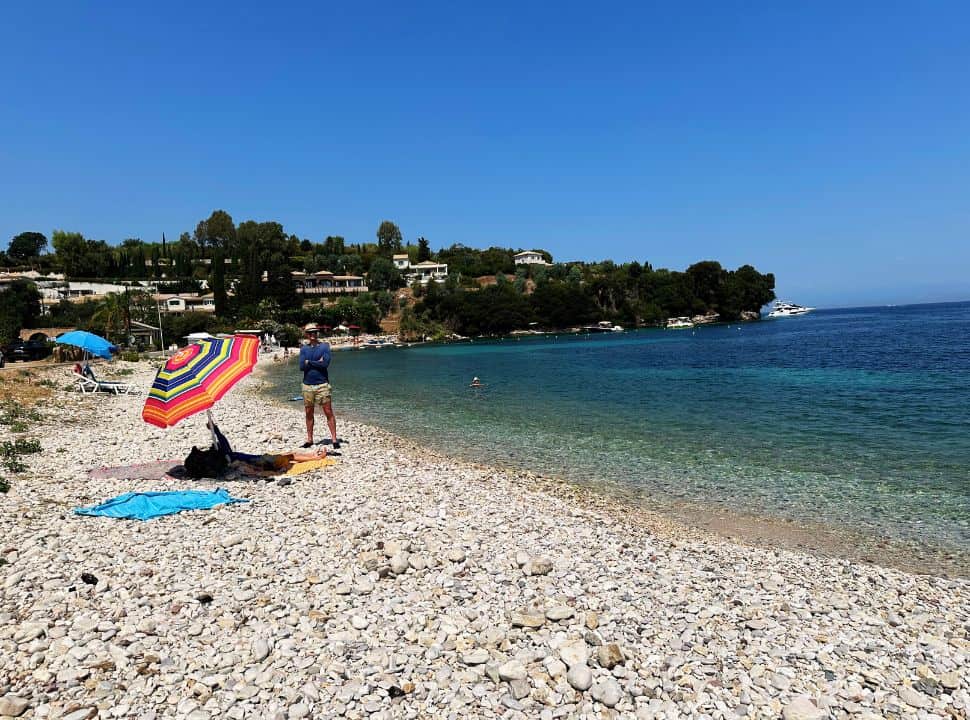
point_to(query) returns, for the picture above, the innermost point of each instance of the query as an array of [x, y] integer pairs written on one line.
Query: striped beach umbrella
[[196, 377]]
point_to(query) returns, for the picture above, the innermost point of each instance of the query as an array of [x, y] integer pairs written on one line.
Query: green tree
[[112, 317], [706, 279], [351, 264], [334, 245], [71, 248], [411, 327], [389, 238], [142, 306], [560, 305], [540, 274], [384, 301], [366, 312], [26, 246], [384, 276], [176, 327], [289, 335], [19, 308], [424, 250], [263, 247], [280, 286], [156, 264], [218, 282], [217, 230]]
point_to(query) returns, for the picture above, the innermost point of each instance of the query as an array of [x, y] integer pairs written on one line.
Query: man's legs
[[309, 424], [331, 422]]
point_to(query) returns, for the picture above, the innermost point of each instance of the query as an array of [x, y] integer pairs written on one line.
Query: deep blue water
[[854, 418]]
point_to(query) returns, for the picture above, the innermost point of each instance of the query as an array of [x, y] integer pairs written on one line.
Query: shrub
[[10, 453], [14, 414]]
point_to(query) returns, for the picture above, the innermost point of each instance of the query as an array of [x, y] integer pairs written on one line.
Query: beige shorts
[[316, 394]]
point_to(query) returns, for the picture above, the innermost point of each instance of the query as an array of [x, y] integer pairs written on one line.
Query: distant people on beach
[[314, 363], [84, 370]]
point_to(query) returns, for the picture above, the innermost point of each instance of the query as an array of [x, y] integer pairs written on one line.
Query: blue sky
[[826, 142]]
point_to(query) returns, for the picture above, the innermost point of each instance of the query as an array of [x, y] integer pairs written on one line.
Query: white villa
[[530, 257], [174, 304], [423, 272], [325, 282]]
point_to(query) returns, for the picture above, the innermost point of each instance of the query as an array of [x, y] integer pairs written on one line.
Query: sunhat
[[311, 327]]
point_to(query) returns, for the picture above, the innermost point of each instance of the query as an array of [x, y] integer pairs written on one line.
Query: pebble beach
[[400, 583]]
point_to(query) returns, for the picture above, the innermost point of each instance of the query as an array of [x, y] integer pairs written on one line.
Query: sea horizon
[[823, 306]]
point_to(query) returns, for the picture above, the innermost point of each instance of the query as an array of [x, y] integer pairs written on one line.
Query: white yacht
[[679, 323], [787, 309], [603, 326]]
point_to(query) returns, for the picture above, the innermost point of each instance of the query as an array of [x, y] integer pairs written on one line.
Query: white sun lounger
[[87, 385]]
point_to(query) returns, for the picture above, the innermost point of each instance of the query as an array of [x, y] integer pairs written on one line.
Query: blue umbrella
[[94, 344]]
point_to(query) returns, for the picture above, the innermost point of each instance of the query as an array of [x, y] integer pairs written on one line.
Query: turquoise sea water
[[858, 419]]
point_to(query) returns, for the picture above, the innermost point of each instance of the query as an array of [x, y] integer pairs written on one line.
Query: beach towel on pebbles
[[306, 466], [148, 505]]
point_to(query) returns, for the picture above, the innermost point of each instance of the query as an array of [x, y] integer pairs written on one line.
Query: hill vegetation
[[248, 268]]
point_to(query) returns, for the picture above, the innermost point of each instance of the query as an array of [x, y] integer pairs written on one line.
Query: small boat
[[787, 309], [679, 323], [602, 326]]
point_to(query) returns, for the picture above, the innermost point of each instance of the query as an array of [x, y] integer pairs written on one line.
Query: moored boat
[[679, 323], [788, 309], [602, 326]]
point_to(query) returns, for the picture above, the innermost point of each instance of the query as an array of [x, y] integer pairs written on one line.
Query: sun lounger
[[86, 385]]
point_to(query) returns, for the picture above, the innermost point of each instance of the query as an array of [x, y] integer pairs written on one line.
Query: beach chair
[[115, 386], [87, 385]]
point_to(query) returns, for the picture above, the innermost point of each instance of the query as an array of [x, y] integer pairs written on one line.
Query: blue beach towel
[[148, 505]]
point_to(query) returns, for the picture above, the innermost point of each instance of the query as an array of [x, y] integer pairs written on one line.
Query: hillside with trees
[[248, 268]]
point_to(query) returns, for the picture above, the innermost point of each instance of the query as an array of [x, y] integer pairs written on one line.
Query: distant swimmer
[[476, 383]]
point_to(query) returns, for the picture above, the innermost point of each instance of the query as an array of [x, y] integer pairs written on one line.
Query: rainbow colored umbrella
[[196, 377]]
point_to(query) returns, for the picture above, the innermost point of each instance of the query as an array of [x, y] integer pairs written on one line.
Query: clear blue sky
[[828, 143]]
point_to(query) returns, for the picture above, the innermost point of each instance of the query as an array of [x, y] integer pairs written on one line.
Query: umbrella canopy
[[94, 344], [196, 377]]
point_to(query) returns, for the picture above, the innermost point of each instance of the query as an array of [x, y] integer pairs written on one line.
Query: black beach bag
[[209, 463]]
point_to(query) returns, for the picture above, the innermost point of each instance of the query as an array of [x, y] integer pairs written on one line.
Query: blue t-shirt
[[313, 362]]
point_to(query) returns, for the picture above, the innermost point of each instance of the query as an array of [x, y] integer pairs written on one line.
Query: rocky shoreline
[[404, 584]]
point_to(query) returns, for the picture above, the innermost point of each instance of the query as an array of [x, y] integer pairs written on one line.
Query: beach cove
[[841, 433], [402, 583]]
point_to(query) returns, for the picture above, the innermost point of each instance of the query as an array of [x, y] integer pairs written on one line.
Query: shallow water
[[857, 419]]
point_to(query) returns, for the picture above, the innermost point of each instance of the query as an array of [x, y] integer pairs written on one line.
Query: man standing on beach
[[314, 361]]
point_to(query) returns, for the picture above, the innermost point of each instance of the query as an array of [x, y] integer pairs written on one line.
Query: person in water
[[475, 383]]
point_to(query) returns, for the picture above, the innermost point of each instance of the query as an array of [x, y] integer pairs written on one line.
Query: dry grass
[[21, 386]]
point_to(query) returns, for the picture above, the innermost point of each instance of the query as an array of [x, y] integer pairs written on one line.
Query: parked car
[[27, 350]]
